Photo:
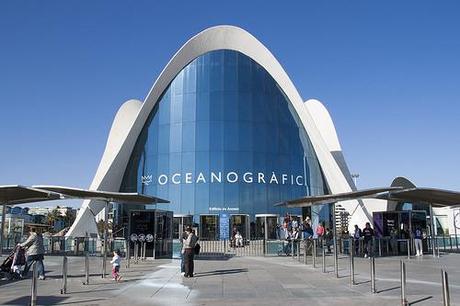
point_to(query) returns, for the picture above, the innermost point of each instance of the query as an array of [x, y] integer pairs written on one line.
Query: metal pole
[[408, 248], [334, 240], [313, 252], [33, 291], [433, 237], [403, 284], [324, 258], [2, 227], [106, 229], [298, 250], [87, 268], [64, 275], [372, 261], [445, 288], [352, 264], [128, 251], [292, 248], [305, 252]]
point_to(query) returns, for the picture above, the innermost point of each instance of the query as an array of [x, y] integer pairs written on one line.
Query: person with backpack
[[189, 251]]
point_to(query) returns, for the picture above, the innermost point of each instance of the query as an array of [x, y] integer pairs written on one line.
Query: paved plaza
[[241, 281]]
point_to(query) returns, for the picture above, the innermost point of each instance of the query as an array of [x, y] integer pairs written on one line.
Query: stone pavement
[[241, 281]]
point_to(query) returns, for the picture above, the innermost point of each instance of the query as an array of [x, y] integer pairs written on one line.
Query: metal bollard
[[336, 259], [33, 291], [314, 254], [324, 258], [298, 250], [86, 269], [305, 252], [403, 284], [128, 255], [372, 267], [292, 248], [64, 275], [408, 248], [445, 288], [352, 264]]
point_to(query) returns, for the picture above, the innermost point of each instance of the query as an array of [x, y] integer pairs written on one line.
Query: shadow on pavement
[[220, 272], [41, 300], [388, 289], [420, 300]]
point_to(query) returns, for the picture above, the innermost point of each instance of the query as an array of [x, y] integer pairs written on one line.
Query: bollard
[[314, 253], [445, 288], [324, 258], [305, 252], [292, 248], [128, 255], [352, 264], [336, 259], [33, 292], [86, 268], [403, 284], [298, 250], [64, 275], [372, 267], [408, 248]]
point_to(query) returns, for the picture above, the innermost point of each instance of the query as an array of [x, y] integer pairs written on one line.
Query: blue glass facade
[[223, 138]]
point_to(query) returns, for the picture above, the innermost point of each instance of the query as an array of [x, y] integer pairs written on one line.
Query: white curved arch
[[218, 38], [324, 123]]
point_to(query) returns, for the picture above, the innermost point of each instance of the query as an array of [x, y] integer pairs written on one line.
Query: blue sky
[[388, 71]]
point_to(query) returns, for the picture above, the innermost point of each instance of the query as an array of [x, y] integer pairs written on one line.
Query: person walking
[[188, 251], [356, 236], [418, 236], [35, 253], [182, 260], [368, 234], [116, 263]]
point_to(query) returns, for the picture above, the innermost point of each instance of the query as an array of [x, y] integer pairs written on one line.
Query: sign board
[[224, 227]]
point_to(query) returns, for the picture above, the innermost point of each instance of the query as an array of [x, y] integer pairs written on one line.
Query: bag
[[196, 249]]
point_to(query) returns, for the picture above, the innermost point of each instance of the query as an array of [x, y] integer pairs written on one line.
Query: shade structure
[[17, 194], [333, 198], [117, 197], [433, 196]]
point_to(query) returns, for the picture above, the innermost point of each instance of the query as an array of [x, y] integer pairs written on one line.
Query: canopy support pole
[[433, 236], [2, 227], [106, 230]]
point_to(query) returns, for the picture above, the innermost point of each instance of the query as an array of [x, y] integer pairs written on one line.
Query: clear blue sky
[[388, 71]]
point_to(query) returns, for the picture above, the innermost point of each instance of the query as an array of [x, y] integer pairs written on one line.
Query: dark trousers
[[188, 259]]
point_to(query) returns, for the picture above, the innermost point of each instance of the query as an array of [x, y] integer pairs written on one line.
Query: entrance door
[[163, 234], [266, 227], [209, 227], [240, 223]]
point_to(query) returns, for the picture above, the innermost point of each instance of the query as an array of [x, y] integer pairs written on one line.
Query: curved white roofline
[[214, 38], [324, 123]]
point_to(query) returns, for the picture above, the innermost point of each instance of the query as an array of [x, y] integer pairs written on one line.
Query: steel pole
[[313, 253], [106, 229], [87, 268], [128, 253], [352, 264], [64, 275], [3, 226], [33, 291], [324, 258], [408, 248], [334, 240], [445, 288], [433, 236], [305, 252], [403, 283], [372, 267]]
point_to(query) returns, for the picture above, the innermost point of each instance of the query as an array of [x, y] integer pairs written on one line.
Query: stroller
[[13, 263]]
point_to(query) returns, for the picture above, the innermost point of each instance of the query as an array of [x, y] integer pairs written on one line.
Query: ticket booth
[[154, 223]]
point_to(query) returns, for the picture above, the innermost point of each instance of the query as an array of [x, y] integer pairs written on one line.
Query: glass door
[[209, 227]]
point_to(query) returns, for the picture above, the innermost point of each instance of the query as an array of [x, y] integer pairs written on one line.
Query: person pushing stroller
[[35, 253]]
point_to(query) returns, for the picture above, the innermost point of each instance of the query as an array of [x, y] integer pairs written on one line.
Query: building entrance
[[266, 226], [240, 223], [151, 230]]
